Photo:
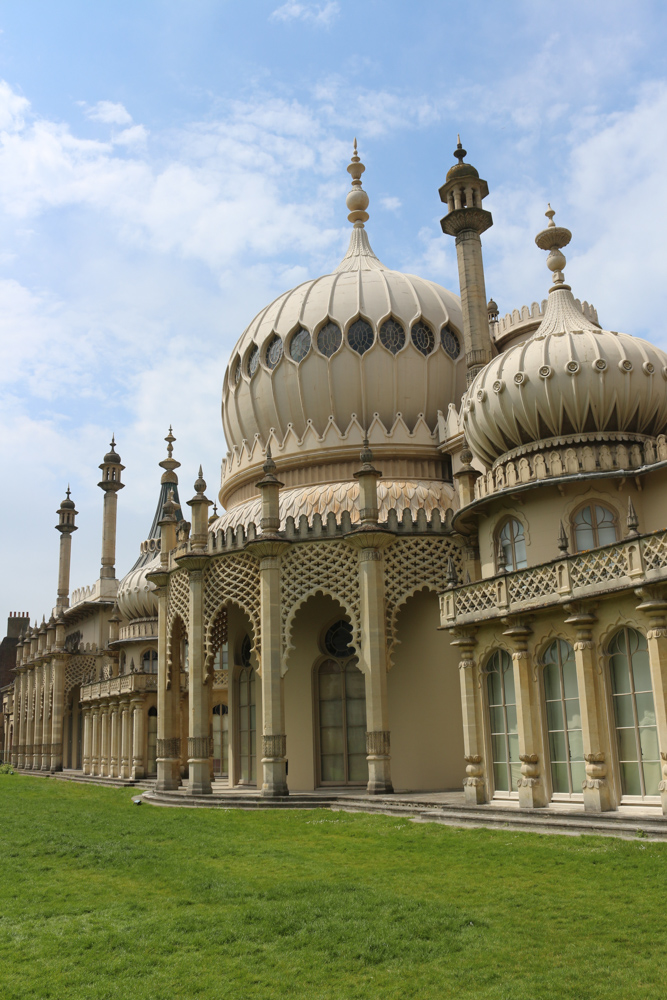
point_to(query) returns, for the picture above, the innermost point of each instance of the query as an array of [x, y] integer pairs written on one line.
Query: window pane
[[559, 778], [508, 680], [645, 710], [514, 747], [511, 719], [330, 687], [357, 767], [244, 742], [356, 713], [573, 714], [648, 741], [578, 776], [554, 715], [331, 713], [576, 744], [355, 683], [498, 748], [652, 778], [630, 779], [551, 681], [627, 744], [515, 770], [641, 671], [584, 538], [331, 739], [333, 768], [356, 739], [500, 778], [620, 677], [497, 719], [623, 710], [570, 678], [494, 688], [557, 750], [520, 552]]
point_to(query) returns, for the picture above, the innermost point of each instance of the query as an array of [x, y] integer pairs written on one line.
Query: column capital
[[369, 539], [265, 550]]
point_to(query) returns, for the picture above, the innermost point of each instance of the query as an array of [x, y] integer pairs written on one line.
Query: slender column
[[87, 741], [274, 740], [20, 699], [114, 731], [168, 684], [111, 482], [47, 679], [598, 794], [138, 739], [532, 790], [104, 740], [39, 721], [59, 663], [199, 709], [475, 782], [655, 608], [66, 525], [96, 730], [125, 739], [30, 718]]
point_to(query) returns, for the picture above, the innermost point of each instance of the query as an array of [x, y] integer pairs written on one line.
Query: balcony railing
[[126, 684], [634, 561]]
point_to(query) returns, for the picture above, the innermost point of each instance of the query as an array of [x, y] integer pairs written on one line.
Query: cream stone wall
[[424, 702]]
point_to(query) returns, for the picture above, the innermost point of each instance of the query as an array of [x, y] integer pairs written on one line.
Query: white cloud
[[322, 14], [135, 135], [109, 113], [391, 203]]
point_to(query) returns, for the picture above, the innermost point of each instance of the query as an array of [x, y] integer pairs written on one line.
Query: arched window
[[342, 711], [149, 662], [561, 693], [511, 548], [274, 351], [247, 720], [503, 724], [392, 335], [329, 339], [220, 727], [634, 713], [299, 345], [360, 336], [593, 525], [151, 741], [122, 663]]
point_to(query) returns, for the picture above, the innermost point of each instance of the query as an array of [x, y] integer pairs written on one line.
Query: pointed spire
[[357, 199], [269, 466], [169, 464], [563, 540], [200, 482], [500, 557], [451, 577], [460, 153], [366, 454], [632, 519], [562, 314]]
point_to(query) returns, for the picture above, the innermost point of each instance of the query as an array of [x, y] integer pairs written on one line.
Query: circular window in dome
[[329, 339], [360, 336], [253, 360], [392, 335], [274, 352], [299, 345], [422, 337], [237, 371], [337, 641], [450, 342]]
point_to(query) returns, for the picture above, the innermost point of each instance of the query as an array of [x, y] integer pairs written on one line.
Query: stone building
[[441, 557]]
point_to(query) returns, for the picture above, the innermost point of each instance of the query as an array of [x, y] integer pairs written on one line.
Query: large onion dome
[[569, 378], [362, 344]]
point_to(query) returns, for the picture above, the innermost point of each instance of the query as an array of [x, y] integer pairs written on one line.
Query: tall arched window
[[503, 724], [561, 693], [220, 728], [149, 661], [151, 741], [511, 546], [247, 720], [592, 526], [342, 711], [634, 713]]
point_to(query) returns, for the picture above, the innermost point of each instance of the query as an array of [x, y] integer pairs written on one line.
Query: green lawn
[[100, 898]]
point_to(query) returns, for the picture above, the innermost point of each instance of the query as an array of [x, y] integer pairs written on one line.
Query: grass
[[102, 899]]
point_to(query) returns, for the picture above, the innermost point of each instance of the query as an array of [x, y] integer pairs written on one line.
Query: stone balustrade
[[141, 628], [114, 686], [632, 562]]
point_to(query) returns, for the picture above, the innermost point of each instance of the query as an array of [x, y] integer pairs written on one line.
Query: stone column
[[20, 699], [531, 785], [476, 781], [30, 718], [104, 740], [125, 739], [47, 676], [598, 794], [138, 738], [39, 720], [95, 755], [59, 663], [114, 741], [655, 608], [199, 699], [87, 740]]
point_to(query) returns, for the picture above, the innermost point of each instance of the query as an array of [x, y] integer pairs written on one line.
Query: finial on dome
[[460, 153], [200, 483], [553, 239], [366, 455], [269, 466], [357, 199], [563, 540], [68, 492], [170, 442], [169, 464]]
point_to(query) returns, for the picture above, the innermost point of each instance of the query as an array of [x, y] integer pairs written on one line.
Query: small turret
[[110, 483]]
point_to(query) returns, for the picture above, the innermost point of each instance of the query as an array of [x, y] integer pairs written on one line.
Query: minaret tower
[[66, 525], [111, 470], [463, 192]]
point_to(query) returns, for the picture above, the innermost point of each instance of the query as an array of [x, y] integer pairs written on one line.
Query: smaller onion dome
[[111, 457], [461, 169], [67, 503], [570, 377]]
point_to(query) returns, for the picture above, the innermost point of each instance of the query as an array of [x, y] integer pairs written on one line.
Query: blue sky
[[168, 167]]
